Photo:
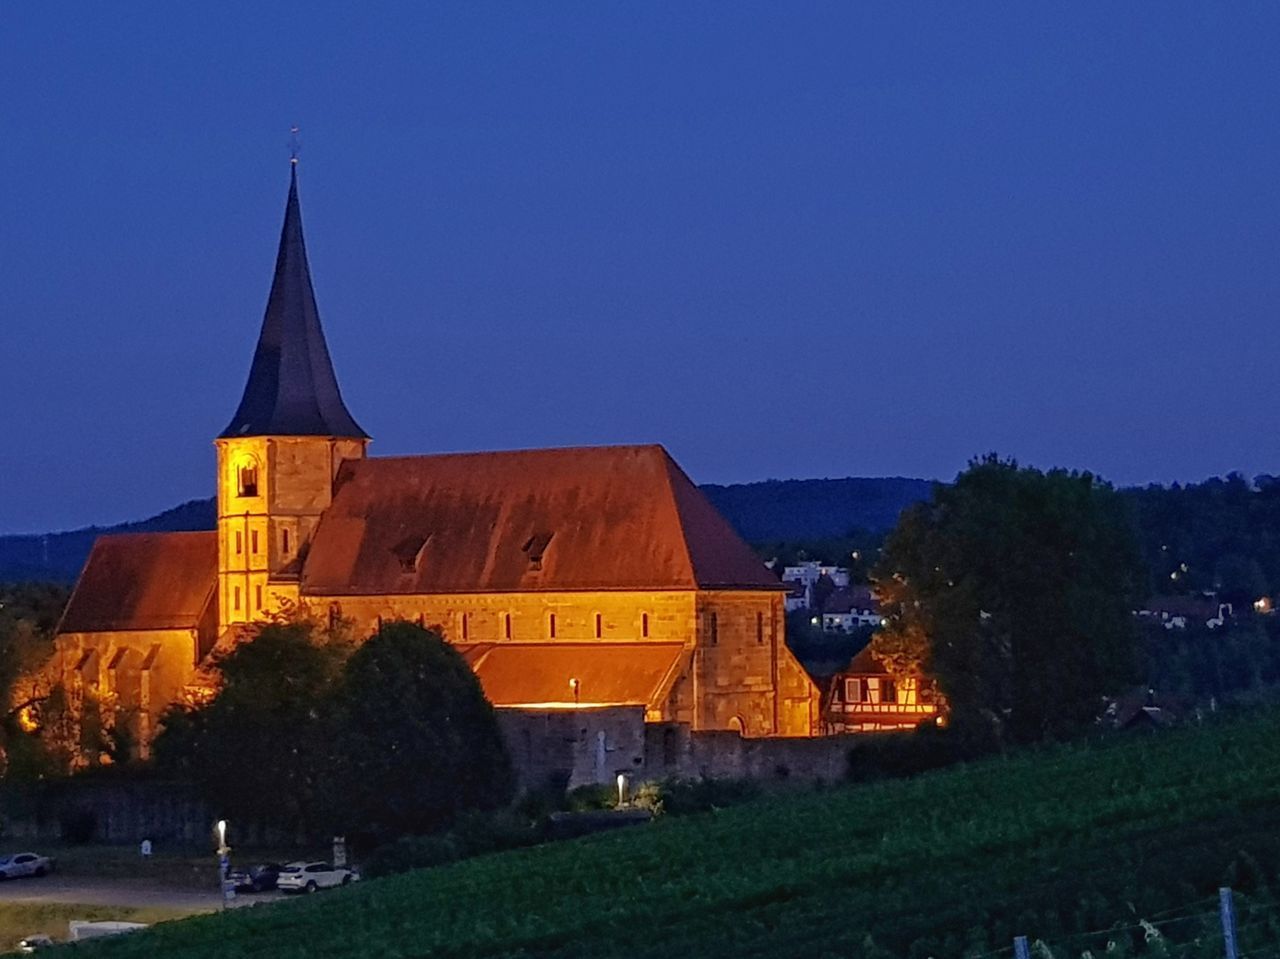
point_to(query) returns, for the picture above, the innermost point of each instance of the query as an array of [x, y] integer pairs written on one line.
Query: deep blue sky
[[786, 240]]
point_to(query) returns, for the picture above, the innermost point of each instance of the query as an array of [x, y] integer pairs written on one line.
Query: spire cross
[[295, 145]]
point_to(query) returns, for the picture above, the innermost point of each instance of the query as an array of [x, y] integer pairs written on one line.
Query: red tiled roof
[[144, 581], [616, 517], [613, 674], [864, 664]]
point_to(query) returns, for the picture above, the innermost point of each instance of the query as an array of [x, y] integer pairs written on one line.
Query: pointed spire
[[292, 390]]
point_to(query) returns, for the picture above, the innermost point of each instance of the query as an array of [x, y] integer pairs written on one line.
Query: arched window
[[551, 625], [644, 625], [506, 625], [599, 625], [247, 479]]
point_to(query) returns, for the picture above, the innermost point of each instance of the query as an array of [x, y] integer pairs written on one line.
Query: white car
[[311, 876], [25, 864]]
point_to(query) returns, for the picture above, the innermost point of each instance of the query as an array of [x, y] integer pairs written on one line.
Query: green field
[[1074, 846]]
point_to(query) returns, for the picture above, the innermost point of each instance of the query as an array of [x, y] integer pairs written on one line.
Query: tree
[[29, 613], [416, 740], [1014, 590], [261, 748]]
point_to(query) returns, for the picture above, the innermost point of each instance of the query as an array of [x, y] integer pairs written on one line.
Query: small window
[[759, 629], [248, 480], [888, 691], [506, 625], [258, 597], [284, 541], [253, 542], [644, 625], [713, 629], [237, 598], [599, 625], [551, 625], [535, 546], [854, 691], [464, 626], [239, 542]]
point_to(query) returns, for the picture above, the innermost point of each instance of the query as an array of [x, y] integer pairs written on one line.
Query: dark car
[[256, 878]]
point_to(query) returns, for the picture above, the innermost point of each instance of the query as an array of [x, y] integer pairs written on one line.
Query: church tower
[[278, 456]]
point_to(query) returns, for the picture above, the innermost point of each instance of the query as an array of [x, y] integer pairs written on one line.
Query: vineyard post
[[1021, 950], [1227, 909]]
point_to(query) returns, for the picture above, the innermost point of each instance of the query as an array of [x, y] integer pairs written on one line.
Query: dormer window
[[248, 480], [535, 546], [409, 552]]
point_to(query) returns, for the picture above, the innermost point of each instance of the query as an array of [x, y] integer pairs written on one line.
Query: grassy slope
[[1052, 844]]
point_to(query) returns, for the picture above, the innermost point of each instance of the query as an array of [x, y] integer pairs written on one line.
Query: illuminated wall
[[741, 675], [271, 494]]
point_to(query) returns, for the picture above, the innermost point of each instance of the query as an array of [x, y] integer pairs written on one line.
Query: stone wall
[[563, 749], [110, 812], [675, 751], [558, 749]]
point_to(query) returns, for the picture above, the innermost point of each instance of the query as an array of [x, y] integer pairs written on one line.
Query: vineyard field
[[1075, 845]]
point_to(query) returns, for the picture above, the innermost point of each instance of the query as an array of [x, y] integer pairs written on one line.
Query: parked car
[[256, 878], [25, 864], [34, 943], [311, 876]]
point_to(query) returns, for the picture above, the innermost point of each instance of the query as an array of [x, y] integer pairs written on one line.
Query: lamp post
[[224, 863], [575, 685]]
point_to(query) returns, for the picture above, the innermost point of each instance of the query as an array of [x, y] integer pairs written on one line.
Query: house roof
[[607, 674], [606, 518], [144, 581], [850, 598], [292, 389], [864, 664]]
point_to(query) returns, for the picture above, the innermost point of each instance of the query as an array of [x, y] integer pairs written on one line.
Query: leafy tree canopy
[[308, 730], [1014, 589], [418, 741]]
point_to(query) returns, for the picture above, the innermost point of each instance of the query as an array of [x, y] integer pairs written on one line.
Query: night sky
[[785, 239]]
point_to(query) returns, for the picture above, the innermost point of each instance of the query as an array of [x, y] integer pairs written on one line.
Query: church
[[567, 578]]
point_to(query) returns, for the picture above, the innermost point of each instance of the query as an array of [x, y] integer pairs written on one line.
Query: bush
[[474, 835], [478, 833], [411, 852], [681, 797], [899, 755], [587, 798]]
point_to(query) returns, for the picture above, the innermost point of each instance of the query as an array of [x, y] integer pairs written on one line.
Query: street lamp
[[224, 863]]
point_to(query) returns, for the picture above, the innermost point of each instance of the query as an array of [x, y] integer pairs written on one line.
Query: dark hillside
[[782, 510], [57, 557]]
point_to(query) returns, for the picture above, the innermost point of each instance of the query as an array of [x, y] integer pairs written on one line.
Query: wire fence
[[1225, 926]]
